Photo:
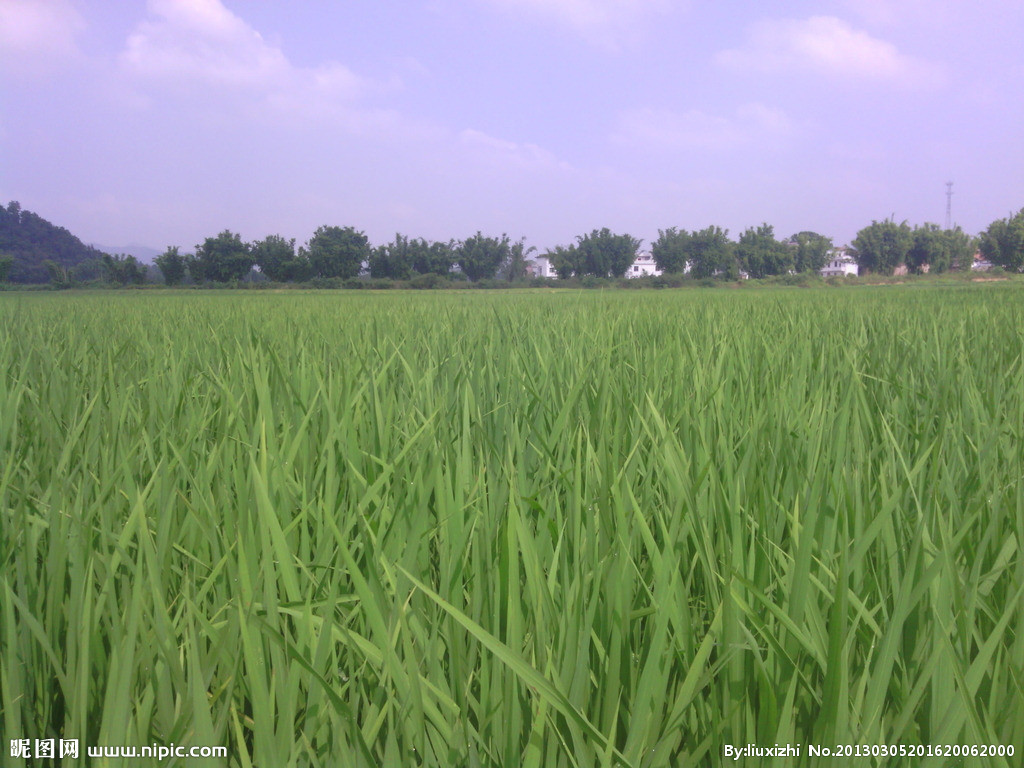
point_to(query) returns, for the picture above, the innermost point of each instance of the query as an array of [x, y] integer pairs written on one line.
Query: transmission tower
[[949, 205]]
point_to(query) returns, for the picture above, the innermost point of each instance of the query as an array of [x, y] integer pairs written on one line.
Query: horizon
[[166, 124]]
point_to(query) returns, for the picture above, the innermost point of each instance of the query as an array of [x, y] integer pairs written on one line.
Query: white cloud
[[190, 43], [37, 37], [695, 130], [512, 154], [826, 45], [929, 13], [601, 21]]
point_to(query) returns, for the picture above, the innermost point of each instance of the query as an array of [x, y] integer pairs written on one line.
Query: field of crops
[[514, 529]]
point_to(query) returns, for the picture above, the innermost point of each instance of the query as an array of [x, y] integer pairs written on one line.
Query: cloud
[[510, 154], [826, 45], [695, 130], [929, 13], [38, 37], [601, 21], [188, 44]]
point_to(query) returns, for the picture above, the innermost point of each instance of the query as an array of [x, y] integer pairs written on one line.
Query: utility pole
[[949, 205]]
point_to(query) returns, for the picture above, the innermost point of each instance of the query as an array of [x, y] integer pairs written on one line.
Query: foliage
[[712, 253], [429, 280], [32, 240], [568, 529], [1002, 242], [172, 265], [338, 252], [604, 254], [57, 274], [671, 250], [275, 256], [392, 261], [434, 258], [761, 255], [405, 257], [221, 258], [936, 250], [479, 257], [6, 260], [566, 261], [123, 269], [882, 246], [811, 251], [92, 270], [514, 268]]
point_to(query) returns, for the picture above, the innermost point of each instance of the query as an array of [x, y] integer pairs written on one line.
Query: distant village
[[34, 251], [841, 263]]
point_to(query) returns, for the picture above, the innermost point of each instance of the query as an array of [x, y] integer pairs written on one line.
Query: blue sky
[[165, 122]]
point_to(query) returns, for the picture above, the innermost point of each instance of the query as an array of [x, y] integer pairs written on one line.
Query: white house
[[840, 263], [980, 263], [643, 265], [540, 266]]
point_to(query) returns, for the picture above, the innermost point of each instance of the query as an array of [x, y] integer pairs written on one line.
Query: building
[[644, 265], [840, 263], [540, 266], [980, 263]]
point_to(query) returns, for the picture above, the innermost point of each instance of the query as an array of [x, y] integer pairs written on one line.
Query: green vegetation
[[172, 265], [31, 241], [540, 529], [1003, 242], [6, 261], [599, 254], [336, 256]]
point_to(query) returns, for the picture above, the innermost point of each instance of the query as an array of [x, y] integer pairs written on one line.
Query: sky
[[165, 122]]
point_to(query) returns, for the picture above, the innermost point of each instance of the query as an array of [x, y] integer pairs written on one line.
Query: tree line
[[33, 250], [343, 253]]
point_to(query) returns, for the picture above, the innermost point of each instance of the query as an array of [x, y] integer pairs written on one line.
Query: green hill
[[33, 241]]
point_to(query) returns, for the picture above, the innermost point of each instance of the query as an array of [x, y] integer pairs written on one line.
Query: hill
[[32, 241]]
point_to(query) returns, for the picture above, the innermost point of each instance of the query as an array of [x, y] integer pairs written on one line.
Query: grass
[[540, 529]]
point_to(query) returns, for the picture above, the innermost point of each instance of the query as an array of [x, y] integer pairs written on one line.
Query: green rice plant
[[486, 529]]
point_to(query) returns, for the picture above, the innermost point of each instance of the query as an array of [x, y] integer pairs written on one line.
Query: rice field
[[514, 529]]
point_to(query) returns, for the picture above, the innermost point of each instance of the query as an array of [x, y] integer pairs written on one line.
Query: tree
[[514, 267], [604, 253], [962, 248], [711, 252], [566, 261], [195, 268], [123, 269], [761, 255], [393, 260], [810, 251], [222, 258], [936, 250], [883, 246], [1002, 242], [479, 257], [58, 273], [403, 257], [32, 240], [6, 261], [89, 270], [276, 259], [172, 265], [338, 252], [431, 258], [670, 250]]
